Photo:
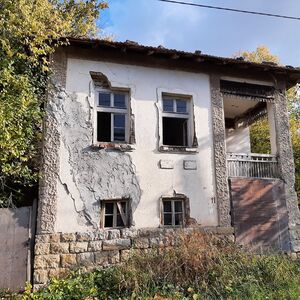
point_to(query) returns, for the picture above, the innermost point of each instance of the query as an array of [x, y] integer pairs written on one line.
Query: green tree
[[259, 131], [30, 31]]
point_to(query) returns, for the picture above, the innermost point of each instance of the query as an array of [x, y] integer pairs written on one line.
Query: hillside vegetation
[[200, 267]]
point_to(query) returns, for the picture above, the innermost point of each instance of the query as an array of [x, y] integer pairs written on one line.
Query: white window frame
[[188, 115], [113, 111]]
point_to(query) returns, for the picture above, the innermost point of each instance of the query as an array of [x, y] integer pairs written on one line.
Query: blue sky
[[215, 32]]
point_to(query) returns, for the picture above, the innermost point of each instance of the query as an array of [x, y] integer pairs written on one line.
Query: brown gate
[[259, 213], [15, 250]]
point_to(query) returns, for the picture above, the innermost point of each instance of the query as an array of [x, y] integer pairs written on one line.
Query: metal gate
[[16, 236], [259, 213]]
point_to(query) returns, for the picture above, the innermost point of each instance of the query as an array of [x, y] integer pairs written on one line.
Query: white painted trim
[[180, 94]]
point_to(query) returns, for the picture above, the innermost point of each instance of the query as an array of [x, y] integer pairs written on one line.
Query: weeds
[[201, 266]]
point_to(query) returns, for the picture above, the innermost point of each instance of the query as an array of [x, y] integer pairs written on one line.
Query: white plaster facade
[[145, 86], [238, 140]]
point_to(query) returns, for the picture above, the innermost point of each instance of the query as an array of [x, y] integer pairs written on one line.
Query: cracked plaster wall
[[88, 175]]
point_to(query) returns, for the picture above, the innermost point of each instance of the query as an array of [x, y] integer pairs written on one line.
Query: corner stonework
[[218, 126], [287, 167], [50, 150]]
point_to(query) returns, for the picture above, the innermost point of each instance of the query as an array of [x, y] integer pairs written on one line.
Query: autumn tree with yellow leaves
[[30, 30]]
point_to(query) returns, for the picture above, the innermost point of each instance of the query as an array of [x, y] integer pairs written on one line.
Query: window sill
[[124, 147], [178, 149]]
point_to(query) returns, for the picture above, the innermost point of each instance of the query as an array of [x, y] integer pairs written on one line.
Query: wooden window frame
[[116, 205], [183, 200], [113, 111], [188, 115]]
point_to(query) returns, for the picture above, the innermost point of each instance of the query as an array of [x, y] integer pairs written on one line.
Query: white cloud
[[151, 22]]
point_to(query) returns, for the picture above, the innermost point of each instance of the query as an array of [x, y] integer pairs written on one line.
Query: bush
[[200, 267]]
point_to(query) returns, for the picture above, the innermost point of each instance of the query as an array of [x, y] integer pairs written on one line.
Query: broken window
[[173, 212], [115, 214], [176, 119], [112, 116]]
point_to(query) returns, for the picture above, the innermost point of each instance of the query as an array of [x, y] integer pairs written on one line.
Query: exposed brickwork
[[55, 254]]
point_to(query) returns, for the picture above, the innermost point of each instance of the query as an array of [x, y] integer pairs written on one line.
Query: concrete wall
[[88, 175], [238, 140]]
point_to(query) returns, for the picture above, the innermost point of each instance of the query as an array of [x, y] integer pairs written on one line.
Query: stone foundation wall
[[295, 239], [55, 254]]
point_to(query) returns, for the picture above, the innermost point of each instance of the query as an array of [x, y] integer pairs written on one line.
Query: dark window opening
[[173, 212], [175, 131], [103, 127], [119, 127], [115, 214]]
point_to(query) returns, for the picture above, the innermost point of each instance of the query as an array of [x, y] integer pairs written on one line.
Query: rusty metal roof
[[291, 73]]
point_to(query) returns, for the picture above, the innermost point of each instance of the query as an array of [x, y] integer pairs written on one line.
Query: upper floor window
[[112, 116], [176, 121]]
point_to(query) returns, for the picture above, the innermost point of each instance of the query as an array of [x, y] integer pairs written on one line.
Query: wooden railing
[[252, 165]]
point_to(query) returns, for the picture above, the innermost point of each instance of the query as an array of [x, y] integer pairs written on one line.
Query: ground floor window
[[115, 214], [173, 212]]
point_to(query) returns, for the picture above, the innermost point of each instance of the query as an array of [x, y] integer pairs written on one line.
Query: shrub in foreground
[[201, 267]]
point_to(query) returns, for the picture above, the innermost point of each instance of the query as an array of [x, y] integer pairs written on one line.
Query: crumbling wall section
[[87, 173]]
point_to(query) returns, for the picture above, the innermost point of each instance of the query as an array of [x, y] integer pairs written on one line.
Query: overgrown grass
[[201, 267]]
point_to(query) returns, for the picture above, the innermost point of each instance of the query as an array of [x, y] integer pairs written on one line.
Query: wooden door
[[259, 213], [15, 254]]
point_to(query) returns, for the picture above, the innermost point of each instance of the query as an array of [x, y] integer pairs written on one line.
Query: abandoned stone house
[[141, 140]]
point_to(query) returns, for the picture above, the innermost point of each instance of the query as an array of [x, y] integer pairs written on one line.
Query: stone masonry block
[[67, 237], [114, 234], [68, 260], [95, 246], [54, 238], [58, 273], [40, 276], [42, 238], [59, 248], [41, 248], [114, 257], [116, 244], [141, 243], [101, 258], [101, 235], [150, 232], [129, 233], [46, 261], [85, 259], [84, 236], [295, 246], [78, 247], [295, 233]]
